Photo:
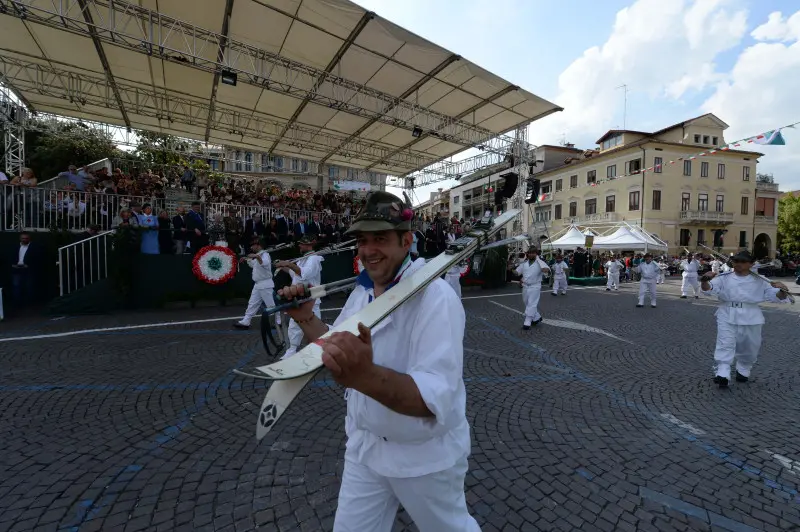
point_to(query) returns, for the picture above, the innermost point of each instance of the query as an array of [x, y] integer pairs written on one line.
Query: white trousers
[[690, 281], [368, 502], [530, 297], [455, 282], [560, 283], [257, 296], [646, 287], [296, 333], [742, 342], [662, 277], [613, 280]]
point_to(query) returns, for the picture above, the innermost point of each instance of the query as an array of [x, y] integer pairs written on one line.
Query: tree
[[789, 224], [49, 153]]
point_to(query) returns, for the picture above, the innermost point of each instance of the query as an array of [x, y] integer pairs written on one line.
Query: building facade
[[293, 172], [659, 181]]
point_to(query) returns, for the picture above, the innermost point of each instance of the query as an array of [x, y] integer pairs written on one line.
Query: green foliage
[[49, 154], [494, 269], [789, 224], [158, 149]]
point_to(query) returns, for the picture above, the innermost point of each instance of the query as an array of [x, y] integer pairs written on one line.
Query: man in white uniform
[[407, 432], [739, 319], [690, 267], [263, 285], [307, 270], [453, 278], [648, 272], [560, 270], [531, 271], [662, 271], [613, 267], [715, 265]]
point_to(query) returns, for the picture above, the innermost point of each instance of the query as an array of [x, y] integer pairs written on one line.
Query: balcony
[[704, 217], [767, 187], [591, 218], [764, 220]]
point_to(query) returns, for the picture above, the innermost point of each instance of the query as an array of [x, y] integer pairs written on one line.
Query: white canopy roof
[[628, 238], [324, 80], [572, 239]]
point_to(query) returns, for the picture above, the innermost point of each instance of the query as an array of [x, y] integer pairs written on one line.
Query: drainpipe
[[644, 165], [753, 234]]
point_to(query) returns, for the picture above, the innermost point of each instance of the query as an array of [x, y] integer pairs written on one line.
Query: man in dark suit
[[314, 228], [180, 234], [196, 227], [300, 228], [253, 228], [26, 265], [285, 226]]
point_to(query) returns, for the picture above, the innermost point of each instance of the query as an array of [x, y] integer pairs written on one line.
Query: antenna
[[624, 87]]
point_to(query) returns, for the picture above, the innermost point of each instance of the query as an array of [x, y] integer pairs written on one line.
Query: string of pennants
[[772, 137]]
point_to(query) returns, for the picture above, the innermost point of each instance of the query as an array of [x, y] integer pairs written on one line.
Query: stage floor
[[602, 417]]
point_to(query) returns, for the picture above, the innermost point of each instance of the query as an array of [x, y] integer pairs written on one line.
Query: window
[[765, 207], [591, 177], [264, 162], [745, 204], [697, 139], [656, 200], [720, 206], [544, 188], [718, 238], [591, 206], [333, 171], [702, 202], [745, 173], [238, 161], [557, 212], [633, 201], [714, 141], [573, 181], [706, 139], [573, 209], [704, 169], [701, 236], [559, 185], [611, 171], [611, 203], [304, 166], [686, 236], [686, 199], [658, 165], [612, 141], [720, 171], [742, 239], [248, 160], [687, 167], [633, 167], [278, 163]]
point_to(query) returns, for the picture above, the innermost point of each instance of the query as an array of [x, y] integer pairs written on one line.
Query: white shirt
[[746, 290], [423, 338], [560, 269], [715, 264], [23, 249], [613, 266], [531, 272], [310, 270], [262, 273], [649, 271], [690, 268]]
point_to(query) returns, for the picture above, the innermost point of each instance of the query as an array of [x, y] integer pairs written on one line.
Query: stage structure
[[323, 80]]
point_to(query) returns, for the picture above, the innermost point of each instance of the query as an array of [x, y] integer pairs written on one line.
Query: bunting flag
[[772, 137]]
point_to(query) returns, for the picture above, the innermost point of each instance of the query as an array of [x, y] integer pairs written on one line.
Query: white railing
[[84, 262], [771, 187], [592, 218], [245, 212], [764, 219], [38, 209], [707, 216]]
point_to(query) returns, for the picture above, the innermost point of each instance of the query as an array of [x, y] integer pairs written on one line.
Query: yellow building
[[718, 199]]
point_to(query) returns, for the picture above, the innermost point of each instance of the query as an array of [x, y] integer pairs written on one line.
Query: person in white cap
[[690, 267], [560, 269], [648, 277], [531, 271], [613, 267]]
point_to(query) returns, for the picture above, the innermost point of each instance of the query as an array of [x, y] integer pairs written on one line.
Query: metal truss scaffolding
[[12, 115], [143, 30]]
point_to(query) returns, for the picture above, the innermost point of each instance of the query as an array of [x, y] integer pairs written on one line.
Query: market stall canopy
[[324, 80], [628, 238], [572, 239]]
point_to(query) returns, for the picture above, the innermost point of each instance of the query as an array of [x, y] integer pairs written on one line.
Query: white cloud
[[658, 48], [761, 93]]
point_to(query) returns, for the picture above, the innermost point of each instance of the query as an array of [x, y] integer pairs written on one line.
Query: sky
[[739, 59]]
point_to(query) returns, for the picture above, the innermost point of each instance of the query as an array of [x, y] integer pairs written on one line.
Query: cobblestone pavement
[[604, 417]]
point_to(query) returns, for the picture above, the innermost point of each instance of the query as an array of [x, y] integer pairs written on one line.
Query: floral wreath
[[214, 265]]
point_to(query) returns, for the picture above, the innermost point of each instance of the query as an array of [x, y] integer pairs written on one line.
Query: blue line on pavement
[[619, 398]]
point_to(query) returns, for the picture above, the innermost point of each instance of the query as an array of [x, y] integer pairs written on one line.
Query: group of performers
[[408, 437]]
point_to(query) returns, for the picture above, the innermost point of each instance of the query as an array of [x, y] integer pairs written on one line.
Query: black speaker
[[532, 190], [498, 198], [510, 185]]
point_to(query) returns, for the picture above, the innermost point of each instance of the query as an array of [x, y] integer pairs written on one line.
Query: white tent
[[572, 239], [628, 238]]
